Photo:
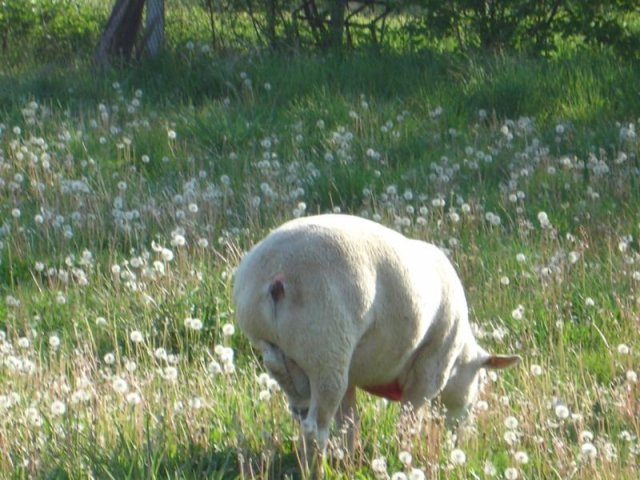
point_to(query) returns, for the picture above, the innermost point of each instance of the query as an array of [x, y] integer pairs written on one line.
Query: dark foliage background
[[53, 28]]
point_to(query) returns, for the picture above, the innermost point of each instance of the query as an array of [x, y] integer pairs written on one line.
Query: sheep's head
[[463, 385], [291, 378]]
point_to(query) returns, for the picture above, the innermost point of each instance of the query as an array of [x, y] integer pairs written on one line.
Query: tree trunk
[[154, 27], [119, 36], [336, 23]]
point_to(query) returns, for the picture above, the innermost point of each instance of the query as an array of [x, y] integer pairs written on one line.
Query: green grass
[[360, 133]]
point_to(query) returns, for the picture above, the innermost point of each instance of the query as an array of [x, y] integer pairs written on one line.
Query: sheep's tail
[[276, 289]]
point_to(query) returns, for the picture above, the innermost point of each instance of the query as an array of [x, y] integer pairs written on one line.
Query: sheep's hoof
[[298, 413]]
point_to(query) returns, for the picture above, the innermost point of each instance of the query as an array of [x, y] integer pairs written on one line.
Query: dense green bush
[[528, 26]]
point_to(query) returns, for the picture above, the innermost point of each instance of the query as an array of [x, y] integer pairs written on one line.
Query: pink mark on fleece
[[390, 391]]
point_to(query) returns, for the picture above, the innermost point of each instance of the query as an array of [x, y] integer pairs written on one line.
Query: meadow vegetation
[[128, 195]]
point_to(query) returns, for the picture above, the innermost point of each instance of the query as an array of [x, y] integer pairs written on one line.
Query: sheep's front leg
[[429, 373]]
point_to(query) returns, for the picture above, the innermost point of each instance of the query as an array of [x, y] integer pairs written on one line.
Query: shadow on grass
[[185, 463], [579, 88]]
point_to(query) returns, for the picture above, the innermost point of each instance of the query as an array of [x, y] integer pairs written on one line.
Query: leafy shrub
[[50, 27], [527, 26]]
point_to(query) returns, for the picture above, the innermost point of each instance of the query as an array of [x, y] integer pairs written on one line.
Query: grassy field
[[128, 196]]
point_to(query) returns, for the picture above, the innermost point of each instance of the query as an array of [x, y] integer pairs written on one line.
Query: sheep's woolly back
[[355, 287]]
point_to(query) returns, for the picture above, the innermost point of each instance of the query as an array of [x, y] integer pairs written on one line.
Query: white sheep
[[336, 302]]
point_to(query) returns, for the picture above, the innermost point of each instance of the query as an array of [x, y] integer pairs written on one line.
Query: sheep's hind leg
[[327, 391], [347, 419]]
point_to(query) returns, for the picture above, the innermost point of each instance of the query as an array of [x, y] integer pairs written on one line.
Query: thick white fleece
[[336, 302]]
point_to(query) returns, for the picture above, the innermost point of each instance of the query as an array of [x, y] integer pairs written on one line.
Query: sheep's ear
[[501, 361]]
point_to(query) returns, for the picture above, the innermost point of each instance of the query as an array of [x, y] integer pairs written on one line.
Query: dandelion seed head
[[489, 469], [133, 398], [511, 422], [169, 373], [54, 342], [561, 411], [136, 336], [214, 367], [228, 329], [457, 457], [379, 465], [518, 313], [196, 403], [34, 417], [493, 219], [178, 240], [623, 349], [586, 436], [58, 408], [120, 385], [625, 436], [416, 474], [574, 257], [588, 451], [264, 395], [338, 453], [511, 437], [226, 354], [511, 473], [193, 323], [521, 457], [263, 379], [438, 203], [405, 457]]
